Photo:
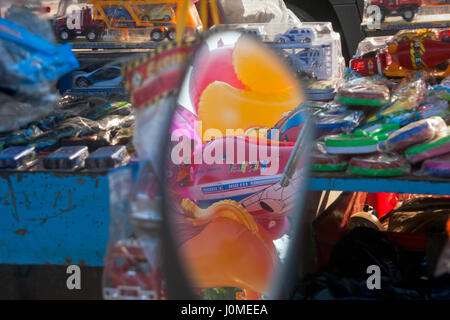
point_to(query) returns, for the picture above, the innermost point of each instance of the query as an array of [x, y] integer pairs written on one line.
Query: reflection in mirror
[[237, 162]]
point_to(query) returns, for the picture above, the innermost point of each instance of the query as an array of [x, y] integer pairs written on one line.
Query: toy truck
[[81, 23], [407, 9]]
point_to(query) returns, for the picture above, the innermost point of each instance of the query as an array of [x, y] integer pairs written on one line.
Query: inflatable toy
[[231, 250], [215, 65], [270, 90]]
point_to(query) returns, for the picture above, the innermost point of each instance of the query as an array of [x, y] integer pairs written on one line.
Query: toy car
[[132, 275], [407, 9], [160, 13], [92, 29], [296, 35], [102, 77]]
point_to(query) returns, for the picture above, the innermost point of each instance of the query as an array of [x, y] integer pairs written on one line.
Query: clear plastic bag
[[30, 64], [415, 133], [324, 162], [133, 265], [379, 165], [257, 11], [434, 148], [364, 92]]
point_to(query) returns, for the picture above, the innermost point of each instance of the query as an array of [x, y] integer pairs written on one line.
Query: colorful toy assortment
[[233, 194], [399, 57]]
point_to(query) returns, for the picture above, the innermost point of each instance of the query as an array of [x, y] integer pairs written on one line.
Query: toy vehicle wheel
[[93, 34], [156, 35], [281, 40], [167, 17], [446, 38], [65, 35], [82, 82], [171, 34], [408, 14], [145, 18]]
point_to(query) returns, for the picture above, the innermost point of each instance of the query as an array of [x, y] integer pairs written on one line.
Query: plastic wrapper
[[66, 158], [437, 167], [359, 142], [434, 148], [364, 92], [17, 157], [337, 120], [30, 65], [257, 11], [107, 157], [407, 96], [379, 165], [324, 162], [123, 137], [133, 266], [93, 142], [312, 49], [415, 133]]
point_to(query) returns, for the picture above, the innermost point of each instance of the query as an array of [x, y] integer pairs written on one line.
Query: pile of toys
[[380, 126], [80, 133]]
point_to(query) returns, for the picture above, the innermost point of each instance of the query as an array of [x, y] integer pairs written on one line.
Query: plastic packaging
[[379, 165], [337, 120], [133, 265], [323, 162], [407, 96], [66, 158], [30, 65], [415, 133], [17, 157], [107, 157], [359, 142], [428, 150], [364, 92], [438, 167]]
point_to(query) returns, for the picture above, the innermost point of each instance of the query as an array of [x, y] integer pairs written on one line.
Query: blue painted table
[[53, 218], [61, 218]]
